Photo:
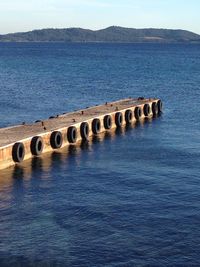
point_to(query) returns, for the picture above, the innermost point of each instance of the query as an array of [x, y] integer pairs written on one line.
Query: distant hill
[[110, 34]]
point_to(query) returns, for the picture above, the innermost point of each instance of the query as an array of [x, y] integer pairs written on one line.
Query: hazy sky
[[24, 15]]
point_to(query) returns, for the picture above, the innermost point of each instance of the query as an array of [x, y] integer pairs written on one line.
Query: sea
[[129, 197]]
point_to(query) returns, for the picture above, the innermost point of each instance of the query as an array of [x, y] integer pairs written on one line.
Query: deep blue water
[[128, 198]]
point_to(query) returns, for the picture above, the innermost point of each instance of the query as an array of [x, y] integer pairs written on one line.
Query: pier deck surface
[[11, 134]]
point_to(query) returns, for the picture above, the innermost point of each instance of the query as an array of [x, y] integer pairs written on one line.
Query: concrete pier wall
[[44, 129]]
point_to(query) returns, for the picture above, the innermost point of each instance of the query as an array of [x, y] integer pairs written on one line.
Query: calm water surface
[[130, 197]]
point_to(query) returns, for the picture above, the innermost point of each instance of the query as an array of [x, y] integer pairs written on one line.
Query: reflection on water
[[37, 163], [18, 172], [63, 157], [28, 192], [128, 197]]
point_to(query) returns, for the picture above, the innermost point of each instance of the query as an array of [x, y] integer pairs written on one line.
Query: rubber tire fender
[[37, 145], [146, 110], [154, 108], [96, 126], [107, 122], [84, 130], [118, 119], [18, 152], [160, 106], [56, 139], [72, 134], [137, 113], [128, 116]]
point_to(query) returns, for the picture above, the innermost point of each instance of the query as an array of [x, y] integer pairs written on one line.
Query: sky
[[25, 15]]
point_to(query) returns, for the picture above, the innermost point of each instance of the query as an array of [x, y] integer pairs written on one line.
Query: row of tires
[[56, 138]]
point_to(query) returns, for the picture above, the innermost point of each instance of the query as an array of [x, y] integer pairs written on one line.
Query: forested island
[[113, 34]]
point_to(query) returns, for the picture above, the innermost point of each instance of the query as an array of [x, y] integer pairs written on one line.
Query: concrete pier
[[22, 142]]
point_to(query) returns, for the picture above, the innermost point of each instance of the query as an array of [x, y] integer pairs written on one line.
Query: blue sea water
[[130, 197]]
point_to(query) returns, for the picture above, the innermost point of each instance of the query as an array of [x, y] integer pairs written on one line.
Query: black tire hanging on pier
[[128, 115], [154, 108], [146, 110], [72, 134], [137, 113], [107, 122], [96, 126], [18, 152], [118, 119], [56, 139], [160, 106], [37, 145], [84, 130]]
